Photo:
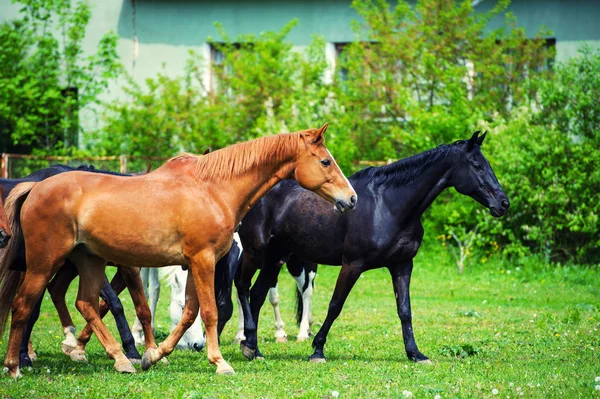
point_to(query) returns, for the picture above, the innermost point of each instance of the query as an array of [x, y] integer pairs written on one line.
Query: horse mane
[[404, 171], [239, 158]]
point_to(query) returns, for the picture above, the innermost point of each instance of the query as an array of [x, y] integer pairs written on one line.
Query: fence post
[[4, 166], [123, 159]]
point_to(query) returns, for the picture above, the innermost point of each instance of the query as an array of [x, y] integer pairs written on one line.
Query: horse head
[[473, 176]]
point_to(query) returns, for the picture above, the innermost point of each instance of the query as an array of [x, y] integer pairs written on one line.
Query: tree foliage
[[45, 77]]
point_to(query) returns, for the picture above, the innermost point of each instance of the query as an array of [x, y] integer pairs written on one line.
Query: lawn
[[497, 330]]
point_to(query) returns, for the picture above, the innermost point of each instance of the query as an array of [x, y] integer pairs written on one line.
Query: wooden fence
[[30, 163]]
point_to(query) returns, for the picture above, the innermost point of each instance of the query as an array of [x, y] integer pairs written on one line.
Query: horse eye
[[325, 162], [477, 165]]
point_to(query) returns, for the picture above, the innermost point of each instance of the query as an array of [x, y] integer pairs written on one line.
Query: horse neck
[[246, 189], [423, 189]]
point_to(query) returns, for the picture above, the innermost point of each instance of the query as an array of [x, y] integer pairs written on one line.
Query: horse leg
[[137, 329], [26, 354], [133, 280], [306, 292], [239, 337], [401, 279], [346, 280], [280, 335], [118, 285], [304, 273], [267, 278], [113, 302], [243, 280], [58, 291], [91, 279], [153, 292], [29, 294]]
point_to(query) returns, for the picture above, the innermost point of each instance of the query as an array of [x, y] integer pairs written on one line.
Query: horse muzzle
[[346, 205], [500, 208], [4, 238]]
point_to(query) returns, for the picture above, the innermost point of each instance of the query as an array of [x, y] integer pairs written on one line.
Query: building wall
[[168, 29]]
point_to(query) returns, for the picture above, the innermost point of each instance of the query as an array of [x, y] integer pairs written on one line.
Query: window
[[217, 60]]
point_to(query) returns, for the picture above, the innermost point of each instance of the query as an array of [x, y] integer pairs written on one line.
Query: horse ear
[[473, 140], [481, 138], [206, 151], [316, 135]]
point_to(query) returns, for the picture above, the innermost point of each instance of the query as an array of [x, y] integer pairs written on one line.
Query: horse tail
[[9, 279]]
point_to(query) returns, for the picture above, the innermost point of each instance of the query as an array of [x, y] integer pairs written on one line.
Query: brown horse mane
[[239, 158]]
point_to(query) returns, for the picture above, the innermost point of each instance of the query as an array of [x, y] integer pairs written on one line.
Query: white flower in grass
[[437, 397], [597, 387], [335, 394], [494, 391], [407, 394], [597, 379]]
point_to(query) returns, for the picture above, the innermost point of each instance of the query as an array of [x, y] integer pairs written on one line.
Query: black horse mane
[[405, 170], [85, 168]]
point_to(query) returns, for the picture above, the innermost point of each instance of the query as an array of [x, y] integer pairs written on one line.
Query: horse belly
[[131, 238]]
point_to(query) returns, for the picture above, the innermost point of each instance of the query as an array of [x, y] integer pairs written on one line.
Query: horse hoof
[[14, 373], [77, 355], [66, 348], [301, 338], [248, 353], [424, 361], [33, 356], [148, 357], [125, 366], [135, 360], [281, 340], [164, 360], [316, 359], [225, 369]]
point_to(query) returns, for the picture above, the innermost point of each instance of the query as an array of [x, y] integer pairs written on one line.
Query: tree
[[45, 78]]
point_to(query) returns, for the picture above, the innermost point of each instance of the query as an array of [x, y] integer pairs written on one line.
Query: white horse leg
[[306, 320], [239, 337], [153, 292], [280, 335]]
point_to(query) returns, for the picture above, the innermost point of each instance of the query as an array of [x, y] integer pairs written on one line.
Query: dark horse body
[[66, 274], [385, 230]]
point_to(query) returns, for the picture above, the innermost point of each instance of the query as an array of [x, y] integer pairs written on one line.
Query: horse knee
[[209, 317]]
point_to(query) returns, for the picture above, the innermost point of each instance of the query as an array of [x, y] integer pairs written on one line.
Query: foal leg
[[346, 280], [401, 280], [91, 276], [280, 335], [243, 281]]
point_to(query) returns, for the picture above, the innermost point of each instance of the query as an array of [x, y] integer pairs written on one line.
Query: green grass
[[532, 331]]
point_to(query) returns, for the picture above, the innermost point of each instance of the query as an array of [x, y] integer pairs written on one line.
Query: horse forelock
[[405, 170], [240, 158]]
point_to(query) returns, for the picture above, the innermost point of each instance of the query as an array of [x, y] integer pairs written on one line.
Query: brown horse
[[5, 231], [185, 212]]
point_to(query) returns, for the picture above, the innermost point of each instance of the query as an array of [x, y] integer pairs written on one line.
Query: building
[[156, 35]]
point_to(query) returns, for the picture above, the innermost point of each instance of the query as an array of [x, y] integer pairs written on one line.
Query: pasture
[[530, 331]]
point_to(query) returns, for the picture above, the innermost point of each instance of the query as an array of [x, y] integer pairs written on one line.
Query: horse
[[5, 231], [184, 212], [60, 283], [384, 231]]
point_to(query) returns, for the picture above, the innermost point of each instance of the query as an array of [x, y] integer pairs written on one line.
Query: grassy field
[[495, 331]]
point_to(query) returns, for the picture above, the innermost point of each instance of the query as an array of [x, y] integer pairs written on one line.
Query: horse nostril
[[353, 200], [198, 347], [505, 204]]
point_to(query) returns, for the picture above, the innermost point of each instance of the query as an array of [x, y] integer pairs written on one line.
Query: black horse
[[385, 230], [67, 273]]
